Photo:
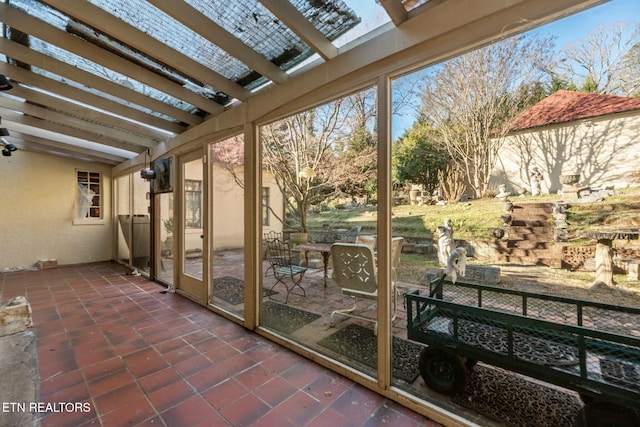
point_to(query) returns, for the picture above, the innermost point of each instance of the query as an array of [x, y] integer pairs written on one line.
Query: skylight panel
[[63, 23]]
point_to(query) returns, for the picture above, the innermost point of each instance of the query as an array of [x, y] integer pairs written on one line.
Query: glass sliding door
[[227, 231]]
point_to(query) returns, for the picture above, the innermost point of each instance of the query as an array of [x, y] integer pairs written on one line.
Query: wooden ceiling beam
[[94, 128], [42, 30], [46, 84], [201, 24], [26, 141], [23, 54], [82, 112], [117, 29], [51, 126], [300, 25], [396, 11]]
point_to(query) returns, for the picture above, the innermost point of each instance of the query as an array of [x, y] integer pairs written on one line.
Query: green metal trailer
[[586, 346]]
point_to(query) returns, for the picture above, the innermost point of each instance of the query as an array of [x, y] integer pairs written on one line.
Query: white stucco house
[[595, 136]]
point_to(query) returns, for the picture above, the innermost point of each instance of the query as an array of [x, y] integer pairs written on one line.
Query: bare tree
[[296, 150], [630, 75], [313, 154], [468, 98], [452, 183], [605, 60]]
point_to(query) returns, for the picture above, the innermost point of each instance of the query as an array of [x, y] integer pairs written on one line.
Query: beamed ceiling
[[105, 80]]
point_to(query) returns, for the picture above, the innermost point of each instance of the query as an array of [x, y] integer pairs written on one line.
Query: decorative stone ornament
[[15, 316]]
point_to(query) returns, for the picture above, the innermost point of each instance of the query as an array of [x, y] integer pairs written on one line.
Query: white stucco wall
[[603, 151], [276, 203], [37, 204], [228, 207]]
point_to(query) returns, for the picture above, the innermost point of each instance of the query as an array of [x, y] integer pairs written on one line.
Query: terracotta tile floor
[[139, 357]]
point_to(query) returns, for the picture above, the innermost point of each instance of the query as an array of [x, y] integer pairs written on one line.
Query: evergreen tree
[[417, 157]]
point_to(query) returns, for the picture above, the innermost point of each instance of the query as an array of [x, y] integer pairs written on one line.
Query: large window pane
[[165, 258], [320, 185], [491, 130], [123, 212], [141, 224], [227, 233], [192, 213]]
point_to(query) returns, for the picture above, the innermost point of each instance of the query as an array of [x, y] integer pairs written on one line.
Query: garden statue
[[535, 179], [445, 241], [503, 194], [456, 264]]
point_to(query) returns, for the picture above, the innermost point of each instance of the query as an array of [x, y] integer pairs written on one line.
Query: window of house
[[89, 200], [265, 205], [193, 203]]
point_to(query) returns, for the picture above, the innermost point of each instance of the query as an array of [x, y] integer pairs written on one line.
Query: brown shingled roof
[[567, 106]]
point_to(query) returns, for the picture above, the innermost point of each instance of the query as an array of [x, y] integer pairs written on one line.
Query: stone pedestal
[[604, 264], [604, 251], [569, 189], [634, 271], [570, 192]]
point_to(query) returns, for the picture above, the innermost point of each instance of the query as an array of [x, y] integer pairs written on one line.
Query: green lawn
[[476, 220]]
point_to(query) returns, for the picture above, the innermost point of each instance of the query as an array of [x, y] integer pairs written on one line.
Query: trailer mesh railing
[[568, 311], [556, 337]]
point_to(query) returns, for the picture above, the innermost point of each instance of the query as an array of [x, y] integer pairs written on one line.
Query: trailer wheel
[[603, 414], [443, 371]]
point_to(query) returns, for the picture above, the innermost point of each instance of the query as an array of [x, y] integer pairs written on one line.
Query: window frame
[[95, 180], [191, 202], [266, 205]]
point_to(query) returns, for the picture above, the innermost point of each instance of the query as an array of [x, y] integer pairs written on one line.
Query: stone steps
[[526, 231], [528, 244], [530, 239]]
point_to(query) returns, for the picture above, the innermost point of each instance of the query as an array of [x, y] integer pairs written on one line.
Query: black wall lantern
[[147, 173], [7, 147]]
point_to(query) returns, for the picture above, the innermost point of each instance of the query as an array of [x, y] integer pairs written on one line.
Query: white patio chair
[[354, 270]]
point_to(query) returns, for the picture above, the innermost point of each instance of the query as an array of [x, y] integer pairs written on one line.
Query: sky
[[576, 26], [566, 30]]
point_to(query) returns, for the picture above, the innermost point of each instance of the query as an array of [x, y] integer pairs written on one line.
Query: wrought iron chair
[[272, 258], [354, 270], [284, 271]]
